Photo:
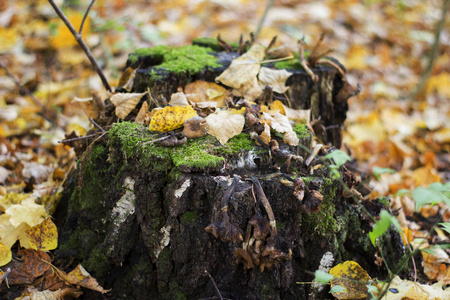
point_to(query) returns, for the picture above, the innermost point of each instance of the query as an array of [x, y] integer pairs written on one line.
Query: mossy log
[[135, 217]]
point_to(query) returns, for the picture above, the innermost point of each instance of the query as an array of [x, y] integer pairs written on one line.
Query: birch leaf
[[170, 118], [274, 78], [125, 103], [224, 125]]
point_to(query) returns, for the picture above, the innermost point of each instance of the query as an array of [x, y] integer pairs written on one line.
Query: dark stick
[[82, 44], [47, 114], [85, 16], [215, 285]]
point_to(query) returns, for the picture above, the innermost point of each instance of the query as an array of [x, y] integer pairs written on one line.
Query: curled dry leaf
[[202, 91], [274, 78], [125, 103], [281, 124], [178, 99], [126, 81], [142, 115], [195, 127], [224, 125]]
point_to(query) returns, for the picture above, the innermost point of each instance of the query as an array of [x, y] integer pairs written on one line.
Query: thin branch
[[433, 53], [263, 18], [47, 113], [85, 16], [82, 43], [215, 285]]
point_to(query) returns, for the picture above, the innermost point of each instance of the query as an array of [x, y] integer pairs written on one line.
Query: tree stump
[[151, 222]]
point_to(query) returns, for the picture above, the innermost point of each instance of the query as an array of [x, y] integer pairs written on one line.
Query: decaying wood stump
[[149, 221]]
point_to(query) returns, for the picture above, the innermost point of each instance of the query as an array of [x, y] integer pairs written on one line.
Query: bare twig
[[82, 43], [47, 113], [215, 285], [304, 62], [157, 140], [98, 126], [433, 52], [85, 16], [263, 18]]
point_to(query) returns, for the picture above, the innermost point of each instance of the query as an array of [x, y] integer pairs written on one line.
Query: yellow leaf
[[64, 37], [424, 176], [27, 212], [202, 91], [439, 83], [224, 125], [125, 103], [277, 105], [357, 287], [170, 118], [5, 255], [43, 236], [79, 276], [8, 39], [405, 289]]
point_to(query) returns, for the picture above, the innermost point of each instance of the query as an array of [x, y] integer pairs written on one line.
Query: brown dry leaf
[[203, 91], [43, 236], [89, 106], [406, 289], [31, 265], [125, 103], [265, 135], [425, 176], [33, 293], [353, 271], [274, 78], [170, 118], [435, 265], [79, 276], [241, 74], [281, 124], [127, 79], [223, 125], [178, 99], [142, 114]]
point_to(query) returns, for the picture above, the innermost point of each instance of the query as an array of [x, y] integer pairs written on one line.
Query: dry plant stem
[[265, 202], [96, 125], [78, 138], [85, 16], [157, 140], [47, 114], [304, 62], [263, 18], [215, 285], [82, 43], [313, 154], [334, 65], [433, 53]]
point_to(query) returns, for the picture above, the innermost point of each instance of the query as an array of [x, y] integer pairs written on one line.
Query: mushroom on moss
[[195, 127]]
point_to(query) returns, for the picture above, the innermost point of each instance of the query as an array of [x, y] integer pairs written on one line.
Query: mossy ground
[[186, 59], [293, 63], [201, 153]]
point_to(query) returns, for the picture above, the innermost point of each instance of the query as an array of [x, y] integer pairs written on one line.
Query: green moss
[[199, 153], [188, 217], [324, 222], [293, 63], [156, 52], [191, 59], [301, 129], [213, 44], [97, 263]]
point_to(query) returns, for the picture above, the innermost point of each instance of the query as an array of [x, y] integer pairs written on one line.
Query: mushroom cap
[[195, 127]]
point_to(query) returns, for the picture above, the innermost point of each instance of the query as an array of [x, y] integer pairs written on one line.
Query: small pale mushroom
[[195, 127]]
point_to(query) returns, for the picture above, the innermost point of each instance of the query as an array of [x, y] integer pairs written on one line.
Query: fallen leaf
[[241, 74], [405, 289], [125, 103], [276, 79], [170, 118], [37, 171], [43, 236], [5, 254], [203, 91], [357, 287], [223, 125], [281, 124], [435, 264], [127, 79], [79, 276], [142, 114], [31, 265], [178, 99]]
